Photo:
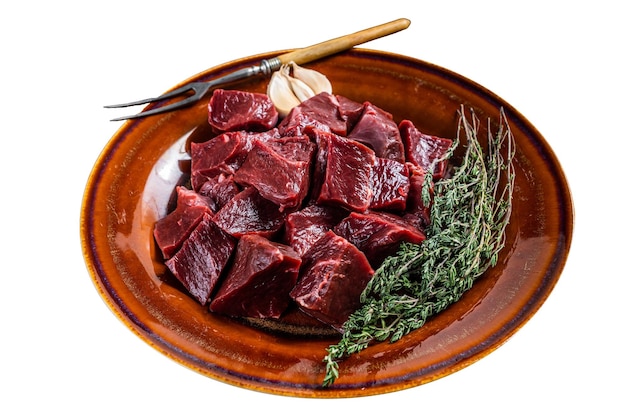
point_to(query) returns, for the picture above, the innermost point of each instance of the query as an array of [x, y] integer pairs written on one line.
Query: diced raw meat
[[222, 154], [231, 110], [189, 198], [390, 185], [377, 235], [349, 110], [333, 275], [348, 171], [248, 212], [377, 129], [220, 190], [296, 216], [319, 165], [320, 111], [201, 259], [280, 169], [297, 122], [171, 231], [259, 281], [425, 150], [304, 227], [251, 137], [417, 212]]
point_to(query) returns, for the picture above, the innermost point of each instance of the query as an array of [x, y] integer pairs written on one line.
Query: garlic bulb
[[292, 84]]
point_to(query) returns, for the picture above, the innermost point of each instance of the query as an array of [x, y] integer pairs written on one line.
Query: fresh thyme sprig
[[469, 214]]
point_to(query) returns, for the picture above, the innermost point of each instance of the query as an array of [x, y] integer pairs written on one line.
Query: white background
[[63, 352]]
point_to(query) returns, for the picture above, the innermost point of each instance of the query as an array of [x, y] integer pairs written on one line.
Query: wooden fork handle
[[342, 43]]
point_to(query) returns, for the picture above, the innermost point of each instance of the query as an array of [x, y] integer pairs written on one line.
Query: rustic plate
[[132, 184]]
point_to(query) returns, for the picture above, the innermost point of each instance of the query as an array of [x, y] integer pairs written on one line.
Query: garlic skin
[[292, 84], [315, 80]]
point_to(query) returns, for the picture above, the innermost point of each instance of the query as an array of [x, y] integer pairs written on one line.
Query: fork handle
[[342, 43]]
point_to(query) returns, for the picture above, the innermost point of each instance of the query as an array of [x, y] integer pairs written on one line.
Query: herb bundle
[[469, 214]]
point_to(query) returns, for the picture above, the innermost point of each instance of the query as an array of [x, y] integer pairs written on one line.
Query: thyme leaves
[[469, 214]]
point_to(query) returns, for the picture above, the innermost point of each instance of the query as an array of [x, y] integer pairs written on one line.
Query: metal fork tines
[[198, 90]]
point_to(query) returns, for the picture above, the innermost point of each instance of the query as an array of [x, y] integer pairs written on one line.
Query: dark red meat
[[202, 258], [378, 235], [231, 110], [249, 138], [296, 216], [320, 111], [248, 212], [189, 198], [349, 110], [424, 150], [347, 172], [171, 231], [222, 154], [417, 211], [319, 137], [280, 169], [219, 190], [377, 129], [259, 280], [333, 275], [304, 227], [390, 185]]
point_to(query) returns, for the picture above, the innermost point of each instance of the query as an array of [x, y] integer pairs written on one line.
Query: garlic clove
[[279, 91], [314, 79], [300, 89]]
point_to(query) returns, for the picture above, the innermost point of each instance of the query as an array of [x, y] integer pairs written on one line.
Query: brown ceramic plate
[[133, 181]]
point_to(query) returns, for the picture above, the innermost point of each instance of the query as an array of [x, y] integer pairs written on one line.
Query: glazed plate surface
[[132, 185]]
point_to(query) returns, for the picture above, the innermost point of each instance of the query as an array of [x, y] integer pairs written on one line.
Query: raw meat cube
[[349, 110], [231, 110], [304, 227], [390, 185], [320, 111], [424, 150], [222, 154], [251, 137], [377, 235], [346, 180], [259, 280], [377, 129], [280, 169], [417, 211], [171, 231], [199, 262], [248, 212], [333, 275], [220, 190]]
